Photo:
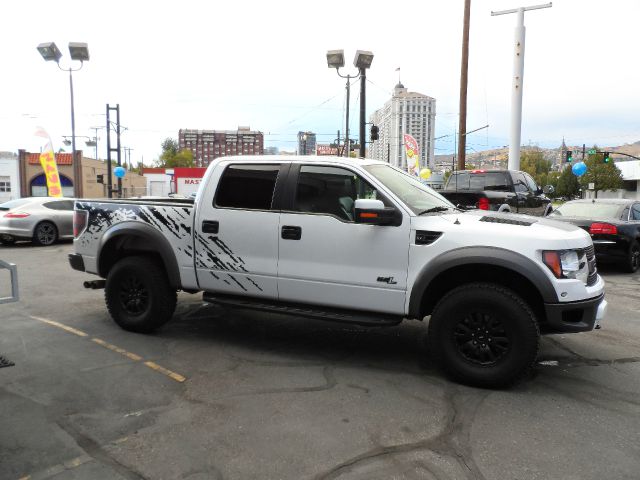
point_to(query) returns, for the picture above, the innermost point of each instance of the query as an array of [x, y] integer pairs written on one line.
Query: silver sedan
[[44, 220]]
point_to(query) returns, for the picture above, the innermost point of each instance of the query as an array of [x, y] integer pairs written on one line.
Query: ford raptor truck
[[353, 241]]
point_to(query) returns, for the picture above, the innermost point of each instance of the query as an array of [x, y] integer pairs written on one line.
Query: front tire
[[45, 234], [483, 335], [138, 295]]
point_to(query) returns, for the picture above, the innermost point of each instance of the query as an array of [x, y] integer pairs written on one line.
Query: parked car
[[499, 190], [44, 220], [352, 241], [614, 226]]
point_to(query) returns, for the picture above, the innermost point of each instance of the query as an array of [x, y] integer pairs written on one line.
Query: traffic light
[[569, 157], [606, 157], [100, 178], [374, 133]]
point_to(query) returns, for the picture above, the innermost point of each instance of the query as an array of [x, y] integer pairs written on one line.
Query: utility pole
[[462, 145], [516, 91]]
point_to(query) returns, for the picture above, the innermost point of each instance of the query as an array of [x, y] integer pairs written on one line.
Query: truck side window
[[247, 186], [330, 190], [531, 183], [519, 183]]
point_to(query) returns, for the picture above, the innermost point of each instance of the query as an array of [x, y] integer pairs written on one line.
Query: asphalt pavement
[[223, 394]]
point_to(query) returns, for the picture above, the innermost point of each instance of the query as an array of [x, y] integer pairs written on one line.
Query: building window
[[5, 184]]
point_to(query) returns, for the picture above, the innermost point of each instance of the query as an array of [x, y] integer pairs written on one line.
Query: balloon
[[579, 169], [425, 173], [119, 172]]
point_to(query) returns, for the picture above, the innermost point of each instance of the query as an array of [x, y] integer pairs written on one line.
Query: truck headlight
[[567, 264]]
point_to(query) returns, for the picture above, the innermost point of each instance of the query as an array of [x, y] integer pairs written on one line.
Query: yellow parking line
[[176, 376], [119, 350], [63, 327], [132, 356]]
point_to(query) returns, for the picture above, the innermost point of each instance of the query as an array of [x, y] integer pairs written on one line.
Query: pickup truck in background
[[346, 240], [499, 190]]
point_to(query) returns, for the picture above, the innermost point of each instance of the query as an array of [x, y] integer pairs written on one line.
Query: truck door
[[236, 231], [328, 259]]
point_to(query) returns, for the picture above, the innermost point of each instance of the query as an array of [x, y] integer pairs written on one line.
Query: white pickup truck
[[350, 241]]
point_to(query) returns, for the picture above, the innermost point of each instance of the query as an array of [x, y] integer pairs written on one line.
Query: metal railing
[[13, 270]]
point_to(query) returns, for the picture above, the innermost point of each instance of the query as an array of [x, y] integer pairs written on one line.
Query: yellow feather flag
[[48, 162]]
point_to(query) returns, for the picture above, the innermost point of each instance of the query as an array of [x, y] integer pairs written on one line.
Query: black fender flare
[[155, 242], [480, 256]]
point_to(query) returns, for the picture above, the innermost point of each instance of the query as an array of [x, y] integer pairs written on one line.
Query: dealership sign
[[326, 150]]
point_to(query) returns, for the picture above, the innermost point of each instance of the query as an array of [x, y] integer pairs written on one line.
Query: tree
[[568, 185], [534, 163], [172, 156], [604, 176]]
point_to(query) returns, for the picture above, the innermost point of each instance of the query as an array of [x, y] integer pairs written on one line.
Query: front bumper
[[77, 262], [572, 317]]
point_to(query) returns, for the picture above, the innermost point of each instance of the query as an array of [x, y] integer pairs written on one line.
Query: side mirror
[[373, 212], [548, 189]]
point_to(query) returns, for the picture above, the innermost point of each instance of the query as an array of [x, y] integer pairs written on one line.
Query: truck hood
[[479, 227]]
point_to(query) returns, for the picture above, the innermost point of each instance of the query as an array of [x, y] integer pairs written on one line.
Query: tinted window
[[478, 181], [60, 205], [625, 214], [331, 190], [635, 211], [531, 183], [519, 183], [247, 186]]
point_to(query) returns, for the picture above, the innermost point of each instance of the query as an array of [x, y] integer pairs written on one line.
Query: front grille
[[593, 269]]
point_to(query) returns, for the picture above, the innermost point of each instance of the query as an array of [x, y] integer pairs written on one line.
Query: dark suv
[[500, 190]]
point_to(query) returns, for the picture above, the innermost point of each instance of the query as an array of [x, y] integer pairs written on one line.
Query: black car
[[499, 190], [614, 225]]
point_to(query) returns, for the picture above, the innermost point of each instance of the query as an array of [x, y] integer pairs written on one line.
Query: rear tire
[[138, 295], [632, 263], [45, 234], [483, 335]]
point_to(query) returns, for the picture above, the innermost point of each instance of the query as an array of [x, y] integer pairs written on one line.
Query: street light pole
[[518, 74], [363, 80]]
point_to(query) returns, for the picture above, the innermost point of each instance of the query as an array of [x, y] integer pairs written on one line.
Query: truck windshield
[[478, 181], [414, 194]]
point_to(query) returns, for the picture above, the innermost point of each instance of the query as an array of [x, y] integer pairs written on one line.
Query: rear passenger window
[[247, 186], [60, 205]]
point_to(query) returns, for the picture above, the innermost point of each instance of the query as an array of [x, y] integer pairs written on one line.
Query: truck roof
[[301, 159]]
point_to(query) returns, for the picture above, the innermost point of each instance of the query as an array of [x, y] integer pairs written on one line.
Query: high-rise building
[[306, 143], [207, 145], [406, 112]]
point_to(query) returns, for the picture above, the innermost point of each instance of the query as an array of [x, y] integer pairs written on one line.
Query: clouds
[[218, 65]]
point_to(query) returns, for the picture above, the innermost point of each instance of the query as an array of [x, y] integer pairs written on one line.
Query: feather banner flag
[[48, 162], [413, 154]]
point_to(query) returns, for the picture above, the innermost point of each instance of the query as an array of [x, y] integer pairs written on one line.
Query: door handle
[[210, 226], [291, 233]]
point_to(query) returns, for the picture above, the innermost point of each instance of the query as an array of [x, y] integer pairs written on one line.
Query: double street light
[[79, 52], [362, 61]]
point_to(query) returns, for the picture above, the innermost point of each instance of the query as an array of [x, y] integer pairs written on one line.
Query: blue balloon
[[579, 169], [119, 172]]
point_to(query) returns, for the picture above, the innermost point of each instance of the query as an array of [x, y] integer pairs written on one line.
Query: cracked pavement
[[275, 397]]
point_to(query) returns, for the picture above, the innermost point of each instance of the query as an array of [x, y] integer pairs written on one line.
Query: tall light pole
[[517, 86], [79, 52], [462, 127], [362, 61]]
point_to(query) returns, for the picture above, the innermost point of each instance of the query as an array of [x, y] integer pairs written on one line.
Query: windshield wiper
[[435, 209]]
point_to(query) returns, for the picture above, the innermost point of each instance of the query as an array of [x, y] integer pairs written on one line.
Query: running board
[[356, 317]]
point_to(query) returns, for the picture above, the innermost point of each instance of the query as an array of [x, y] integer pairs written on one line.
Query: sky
[[220, 65]]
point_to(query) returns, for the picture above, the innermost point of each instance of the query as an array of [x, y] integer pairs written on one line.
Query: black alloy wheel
[[484, 335], [138, 294], [481, 338], [45, 234], [134, 296]]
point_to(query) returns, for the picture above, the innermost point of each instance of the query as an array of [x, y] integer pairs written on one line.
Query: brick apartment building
[[207, 145]]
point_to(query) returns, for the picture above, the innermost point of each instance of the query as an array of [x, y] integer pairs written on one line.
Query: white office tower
[[405, 113]]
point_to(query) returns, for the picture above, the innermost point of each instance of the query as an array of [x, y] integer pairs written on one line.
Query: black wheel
[[45, 234], [632, 263], [138, 295], [483, 335]]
